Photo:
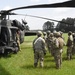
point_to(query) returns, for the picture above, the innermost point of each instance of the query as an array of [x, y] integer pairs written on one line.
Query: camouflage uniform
[[39, 49], [18, 39], [58, 46], [48, 40], [73, 50], [44, 36], [51, 44], [69, 45], [62, 35]]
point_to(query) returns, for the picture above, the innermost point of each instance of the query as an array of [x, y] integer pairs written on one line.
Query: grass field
[[22, 62]]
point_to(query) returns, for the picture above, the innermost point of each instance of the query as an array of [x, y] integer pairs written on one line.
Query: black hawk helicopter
[[8, 28]]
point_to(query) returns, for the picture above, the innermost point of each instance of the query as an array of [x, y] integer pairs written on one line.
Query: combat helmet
[[44, 33], [39, 33], [48, 32], [69, 33], [51, 35], [54, 33], [58, 34]]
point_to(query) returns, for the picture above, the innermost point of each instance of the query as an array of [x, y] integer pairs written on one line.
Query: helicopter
[[8, 31], [8, 28]]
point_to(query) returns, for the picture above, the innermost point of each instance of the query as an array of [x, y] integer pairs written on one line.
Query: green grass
[[22, 62]]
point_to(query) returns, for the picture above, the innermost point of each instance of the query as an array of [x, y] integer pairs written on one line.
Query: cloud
[[57, 1], [7, 8], [62, 10], [35, 0]]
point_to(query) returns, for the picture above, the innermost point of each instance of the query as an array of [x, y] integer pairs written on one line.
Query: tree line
[[65, 25]]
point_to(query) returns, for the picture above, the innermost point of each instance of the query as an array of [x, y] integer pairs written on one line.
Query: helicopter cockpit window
[[18, 24], [3, 36]]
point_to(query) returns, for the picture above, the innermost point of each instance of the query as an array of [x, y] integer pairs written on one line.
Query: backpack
[[59, 43], [56, 43]]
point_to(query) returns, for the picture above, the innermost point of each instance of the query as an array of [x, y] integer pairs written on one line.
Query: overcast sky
[[34, 23]]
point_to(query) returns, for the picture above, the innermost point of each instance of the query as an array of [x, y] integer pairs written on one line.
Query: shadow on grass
[[5, 55], [3, 71], [49, 60], [48, 56], [49, 67], [28, 67], [28, 47], [32, 67]]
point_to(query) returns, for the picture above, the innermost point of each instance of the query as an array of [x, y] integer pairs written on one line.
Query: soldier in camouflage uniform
[[48, 40], [39, 49], [73, 50], [69, 45], [18, 39], [61, 35], [44, 36], [58, 47], [51, 44]]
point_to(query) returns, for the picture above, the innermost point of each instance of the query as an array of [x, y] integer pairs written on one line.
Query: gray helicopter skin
[[8, 29]]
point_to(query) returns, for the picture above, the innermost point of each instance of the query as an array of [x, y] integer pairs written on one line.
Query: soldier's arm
[[57, 43], [33, 46]]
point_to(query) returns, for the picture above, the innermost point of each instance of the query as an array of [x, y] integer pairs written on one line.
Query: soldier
[[58, 48], [44, 36], [61, 35], [48, 40], [51, 44], [39, 49], [73, 50], [18, 39], [69, 45]]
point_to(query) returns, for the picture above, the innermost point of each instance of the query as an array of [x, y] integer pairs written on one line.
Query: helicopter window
[[3, 36], [13, 32], [6, 36]]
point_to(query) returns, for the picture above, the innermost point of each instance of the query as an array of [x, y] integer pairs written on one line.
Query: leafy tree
[[67, 25], [48, 26]]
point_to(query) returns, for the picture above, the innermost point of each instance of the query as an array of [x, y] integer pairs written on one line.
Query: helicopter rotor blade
[[42, 18], [55, 5]]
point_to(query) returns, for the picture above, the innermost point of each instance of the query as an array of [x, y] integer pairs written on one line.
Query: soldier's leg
[[41, 59], [41, 63], [36, 59], [73, 50], [35, 62], [48, 49], [18, 42], [60, 58], [57, 61], [68, 54], [51, 51], [71, 54]]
